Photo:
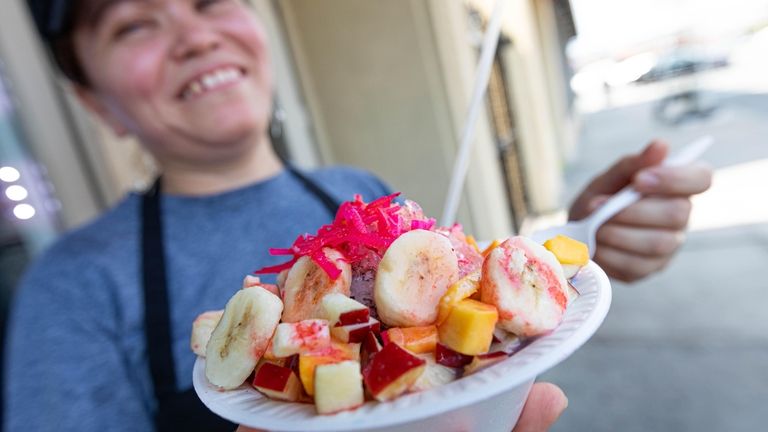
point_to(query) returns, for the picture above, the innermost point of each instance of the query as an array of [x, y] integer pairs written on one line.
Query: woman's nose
[[194, 36]]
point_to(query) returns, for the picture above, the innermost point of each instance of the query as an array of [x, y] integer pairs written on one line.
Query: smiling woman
[[99, 333]]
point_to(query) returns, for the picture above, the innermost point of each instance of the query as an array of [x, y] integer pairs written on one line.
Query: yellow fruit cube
[[461, 289], [335, 353], [568, 251], [469, 327]]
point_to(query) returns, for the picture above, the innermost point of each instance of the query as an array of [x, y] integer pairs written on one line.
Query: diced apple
[[334, 353], [505, 341], [302, 336], [355, 333], [461, 289], [434, 374], [469, 327], [482, 361], [202, 328], [251, 281], [341, 310], [415, 339], [277, 382], [370, 346], [448, 357], [391, 372], [338, 387]]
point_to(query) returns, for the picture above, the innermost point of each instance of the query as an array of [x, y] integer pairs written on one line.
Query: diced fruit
[[277, 382], [391, 372], [338, 387], [369, 348], [341, 310], [202, 329], [251, 281], [472, 242], [302, 336], [568, 250], [334, 353], [469, 327], [307, 283], [448, 357], [525, 282], [241, 337], [490, 248], [415, 271], [505, 342], [482, 361], [434, 374], [355, 333], [415, 339], [457, 292]]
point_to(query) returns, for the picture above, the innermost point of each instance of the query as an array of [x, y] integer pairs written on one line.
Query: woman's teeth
[[211, 81]]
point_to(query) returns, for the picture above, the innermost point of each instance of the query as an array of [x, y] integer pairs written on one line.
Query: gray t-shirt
[[76, 356]]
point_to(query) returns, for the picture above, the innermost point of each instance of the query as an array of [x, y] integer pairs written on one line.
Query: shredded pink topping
[[358, 228]]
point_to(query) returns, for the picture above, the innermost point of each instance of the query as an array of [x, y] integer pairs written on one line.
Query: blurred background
[[384, 85]]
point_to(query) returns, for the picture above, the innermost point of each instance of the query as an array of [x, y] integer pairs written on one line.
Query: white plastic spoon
[[585, 230]]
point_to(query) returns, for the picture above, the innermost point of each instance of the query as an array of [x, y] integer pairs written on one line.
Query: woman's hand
[[544, 405], [642, 239]]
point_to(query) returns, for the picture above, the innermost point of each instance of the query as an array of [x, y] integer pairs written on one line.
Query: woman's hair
[[55, 21]]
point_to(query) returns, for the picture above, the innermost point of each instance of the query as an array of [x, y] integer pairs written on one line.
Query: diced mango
[[490, 247], [568, 250], [469, 327], [415, 339], [335, 353], [461, 289], [472, 242]]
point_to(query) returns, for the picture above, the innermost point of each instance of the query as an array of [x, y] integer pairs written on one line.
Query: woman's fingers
[[542, 409], [656, 212], [650, 242], [682, 180], [627, 266]]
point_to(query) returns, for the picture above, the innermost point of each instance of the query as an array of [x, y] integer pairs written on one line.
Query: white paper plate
[[469, 400]]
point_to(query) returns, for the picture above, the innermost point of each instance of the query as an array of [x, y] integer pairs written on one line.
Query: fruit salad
[[382, 302]]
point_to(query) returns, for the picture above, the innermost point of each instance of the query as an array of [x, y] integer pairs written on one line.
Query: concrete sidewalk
[[687, 349]]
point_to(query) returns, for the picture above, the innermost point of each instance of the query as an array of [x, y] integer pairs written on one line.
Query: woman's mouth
[[213, 80]]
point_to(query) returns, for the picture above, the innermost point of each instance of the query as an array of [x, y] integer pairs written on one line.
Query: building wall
[[387, 84]]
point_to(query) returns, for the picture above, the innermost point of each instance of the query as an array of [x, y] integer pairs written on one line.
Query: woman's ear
[[96, 106]]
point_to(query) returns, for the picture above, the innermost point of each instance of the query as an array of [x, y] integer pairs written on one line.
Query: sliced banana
[[413, 275], [526, 284], [241, 337], [306, 284], [202, 329]]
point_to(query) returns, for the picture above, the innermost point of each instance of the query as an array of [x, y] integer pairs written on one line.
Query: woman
[[100, 329]]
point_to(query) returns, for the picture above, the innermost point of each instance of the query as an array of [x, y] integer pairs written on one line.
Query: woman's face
[[190, 78]]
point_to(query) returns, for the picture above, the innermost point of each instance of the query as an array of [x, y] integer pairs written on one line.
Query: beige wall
[[387, 83]]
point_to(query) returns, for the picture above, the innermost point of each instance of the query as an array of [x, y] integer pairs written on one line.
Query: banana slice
[[241, 337], [526, 284], [202, 329], [306, 284], [413, 275]]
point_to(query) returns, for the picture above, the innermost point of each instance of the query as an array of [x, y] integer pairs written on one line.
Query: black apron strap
[[179, 411], [176, 411]]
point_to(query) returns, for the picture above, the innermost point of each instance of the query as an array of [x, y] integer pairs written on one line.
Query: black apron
[[179, 410]]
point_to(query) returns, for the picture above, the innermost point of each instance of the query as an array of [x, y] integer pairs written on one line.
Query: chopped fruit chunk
[[460, 290], [434, 374], [253, 281], [341, 310], [391, 372], [490, 248], [415, 339], [302, 336], [369, 348], [202, 329], [338, 387], [469, 327], [277, 382], [482, 361], [355, 333], [334, 353], [448, 357], [568, 250]]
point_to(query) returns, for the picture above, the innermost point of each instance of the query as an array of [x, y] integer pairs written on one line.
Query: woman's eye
[[130, 28], [205, 4]]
